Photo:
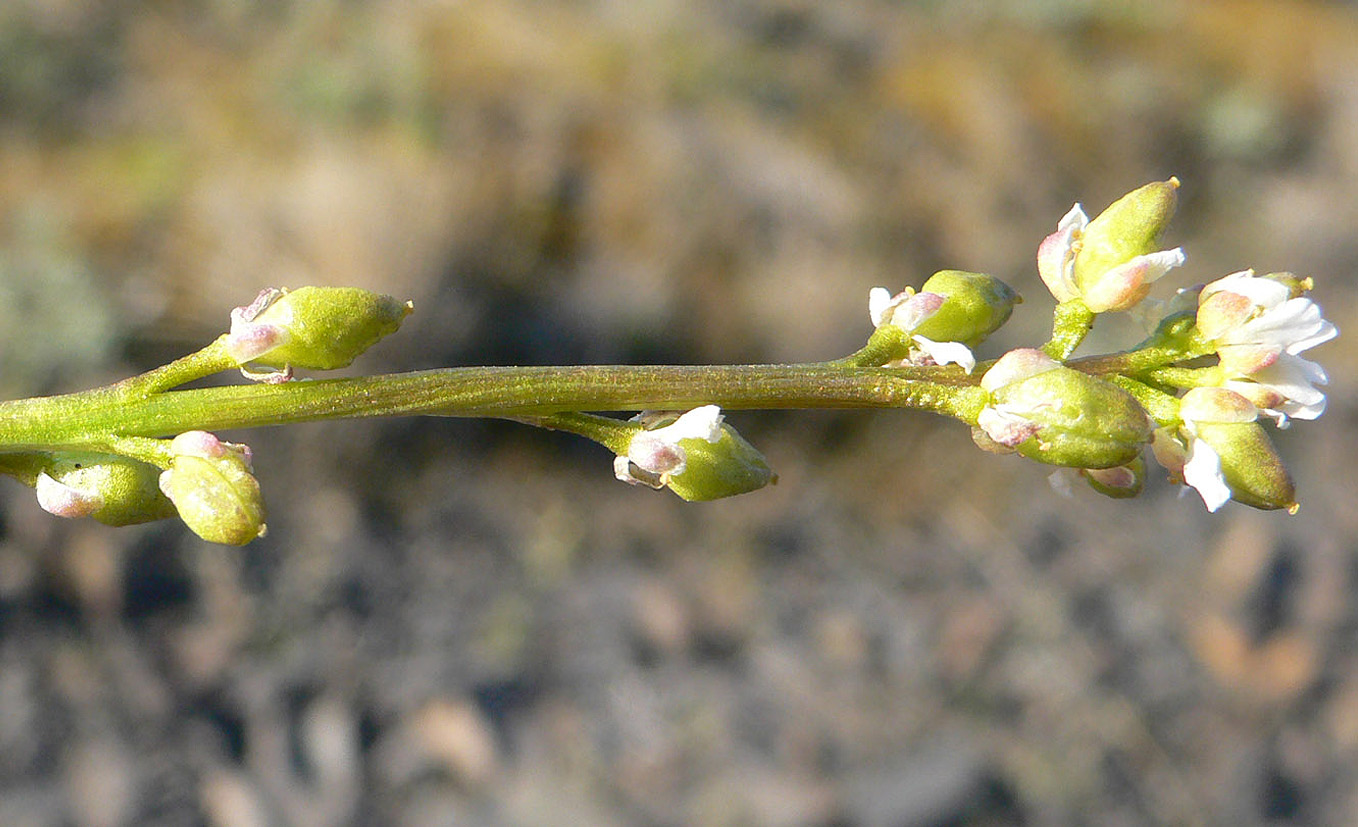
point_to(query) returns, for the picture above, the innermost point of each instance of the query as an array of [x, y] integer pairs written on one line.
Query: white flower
[[654, 456], [1259, 329], [908, 310]]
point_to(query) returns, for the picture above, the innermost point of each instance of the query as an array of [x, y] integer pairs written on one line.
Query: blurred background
[[456, 622]]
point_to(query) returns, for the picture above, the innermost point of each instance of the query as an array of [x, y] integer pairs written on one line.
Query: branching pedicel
[[1221, 357]]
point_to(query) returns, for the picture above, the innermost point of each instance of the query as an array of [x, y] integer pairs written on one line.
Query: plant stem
[[90, 417]]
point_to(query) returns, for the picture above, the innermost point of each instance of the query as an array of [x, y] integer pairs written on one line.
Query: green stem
[[1160, 406], [1187, 377], [1071, 322], [88, 418], [613, 434], [211, 359]]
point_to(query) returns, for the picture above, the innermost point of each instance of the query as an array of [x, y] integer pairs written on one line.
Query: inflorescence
[[1221, 360]]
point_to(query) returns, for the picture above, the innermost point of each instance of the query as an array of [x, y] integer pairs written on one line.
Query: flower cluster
[[1207, 432]]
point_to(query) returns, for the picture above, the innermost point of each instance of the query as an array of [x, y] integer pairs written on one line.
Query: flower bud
[[1115, 262], [1120, 482], [1229, 456], [114, 490], [696, 455], [724, 468], [210, 484], [318, 328], [1250, 465], [975, 306], [1060, 416]]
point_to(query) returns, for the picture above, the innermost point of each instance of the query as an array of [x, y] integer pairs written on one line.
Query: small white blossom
[[654, 456], [1260, 329], [1119, 288]]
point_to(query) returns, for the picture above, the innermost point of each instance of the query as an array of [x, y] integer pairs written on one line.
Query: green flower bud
[[1129, 227], [318, 328], [210, 484], [1060, 416], [1250, 464], [1239, 461], [975, 306], [724, 468], [114, 490], [695, 454]]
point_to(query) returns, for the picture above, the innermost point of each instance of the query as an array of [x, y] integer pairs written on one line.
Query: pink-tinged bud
[[210, 484], [318, 328], [114, 490], [1131, 226], [1216, 405], [695, 455], [1120, 482], [975, 306], [1060, 416]]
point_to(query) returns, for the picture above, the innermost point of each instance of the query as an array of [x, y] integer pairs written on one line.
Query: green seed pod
[[724, 468], [1077, 420], [317, 328], [1250, 464], [211, 486], [114, 490], [1130, 227], [975, 306]]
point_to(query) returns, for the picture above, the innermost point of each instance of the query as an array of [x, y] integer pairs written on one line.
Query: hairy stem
[[90, 417]]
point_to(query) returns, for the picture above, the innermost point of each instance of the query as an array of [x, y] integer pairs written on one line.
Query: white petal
[[1293, 377], [700, 423], [1157, 264], [64, 501], [1005, 427], [879, 300], [947, 353], [1203, 472], [1074, 217], [1263, 292], [1324, 332], [1285, 325], [622, 469]]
